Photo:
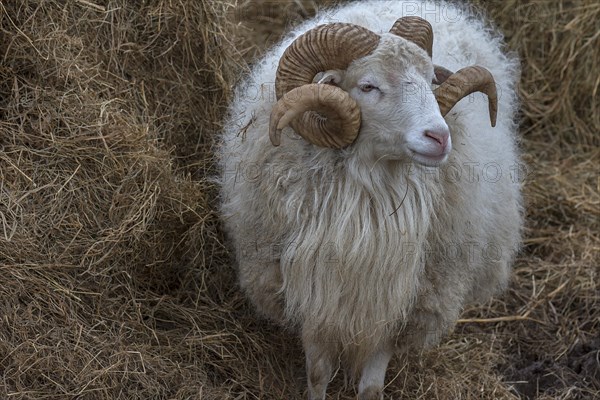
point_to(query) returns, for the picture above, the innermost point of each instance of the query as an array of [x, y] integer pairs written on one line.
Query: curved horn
[[440, 74], [415, 29], [331, 46], [337, 128], [464, 82]]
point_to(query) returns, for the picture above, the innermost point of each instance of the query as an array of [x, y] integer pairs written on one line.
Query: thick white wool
[[360, 252]]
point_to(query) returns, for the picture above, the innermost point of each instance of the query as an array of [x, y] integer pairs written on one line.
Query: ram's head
[[340, 80]]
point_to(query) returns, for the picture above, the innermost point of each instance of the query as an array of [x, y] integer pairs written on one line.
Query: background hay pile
[[108, 244], [114, 282]]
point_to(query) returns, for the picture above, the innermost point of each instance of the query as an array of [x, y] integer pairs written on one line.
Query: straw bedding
[[115, 281]]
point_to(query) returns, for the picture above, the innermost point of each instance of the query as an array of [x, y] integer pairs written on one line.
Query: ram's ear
[[440, 74], [332, 77]]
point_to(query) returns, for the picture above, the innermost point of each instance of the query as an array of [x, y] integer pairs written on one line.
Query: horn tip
[[493, 113], [274, 133], [493, 119], [275, 137]]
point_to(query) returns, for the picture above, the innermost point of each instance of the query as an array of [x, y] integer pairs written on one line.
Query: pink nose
[[441, 137]]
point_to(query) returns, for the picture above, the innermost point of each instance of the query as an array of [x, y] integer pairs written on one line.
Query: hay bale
[[559, 44], [108, 238]]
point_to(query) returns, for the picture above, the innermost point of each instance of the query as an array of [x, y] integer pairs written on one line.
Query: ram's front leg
[[372, 379], [319, 366]]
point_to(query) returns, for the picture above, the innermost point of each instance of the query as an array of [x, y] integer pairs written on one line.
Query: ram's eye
[[367, 87]]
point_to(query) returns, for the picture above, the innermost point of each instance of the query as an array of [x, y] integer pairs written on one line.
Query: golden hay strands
[[105, 237], [559, 42], [115, 280]]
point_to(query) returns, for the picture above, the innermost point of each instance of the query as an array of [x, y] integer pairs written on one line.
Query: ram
[[367, 203]]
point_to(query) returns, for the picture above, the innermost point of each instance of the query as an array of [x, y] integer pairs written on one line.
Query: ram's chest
[[355, 262]]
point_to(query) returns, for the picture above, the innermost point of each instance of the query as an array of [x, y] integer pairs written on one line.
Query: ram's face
[[400, 116]]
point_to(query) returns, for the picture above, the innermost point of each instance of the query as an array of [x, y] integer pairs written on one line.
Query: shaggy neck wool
[[370, 226]]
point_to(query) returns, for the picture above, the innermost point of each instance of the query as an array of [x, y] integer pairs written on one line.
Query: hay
[[115, 280], [108, 240]]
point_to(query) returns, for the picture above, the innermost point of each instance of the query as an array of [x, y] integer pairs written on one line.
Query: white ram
[[387, 205]]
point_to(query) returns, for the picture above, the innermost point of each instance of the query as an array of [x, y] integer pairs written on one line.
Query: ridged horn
[[464, 82], [415, 29], [440, 74], [336, 125], [331, 46]]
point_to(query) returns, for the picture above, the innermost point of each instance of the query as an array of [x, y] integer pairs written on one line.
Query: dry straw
[[115, 281]]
